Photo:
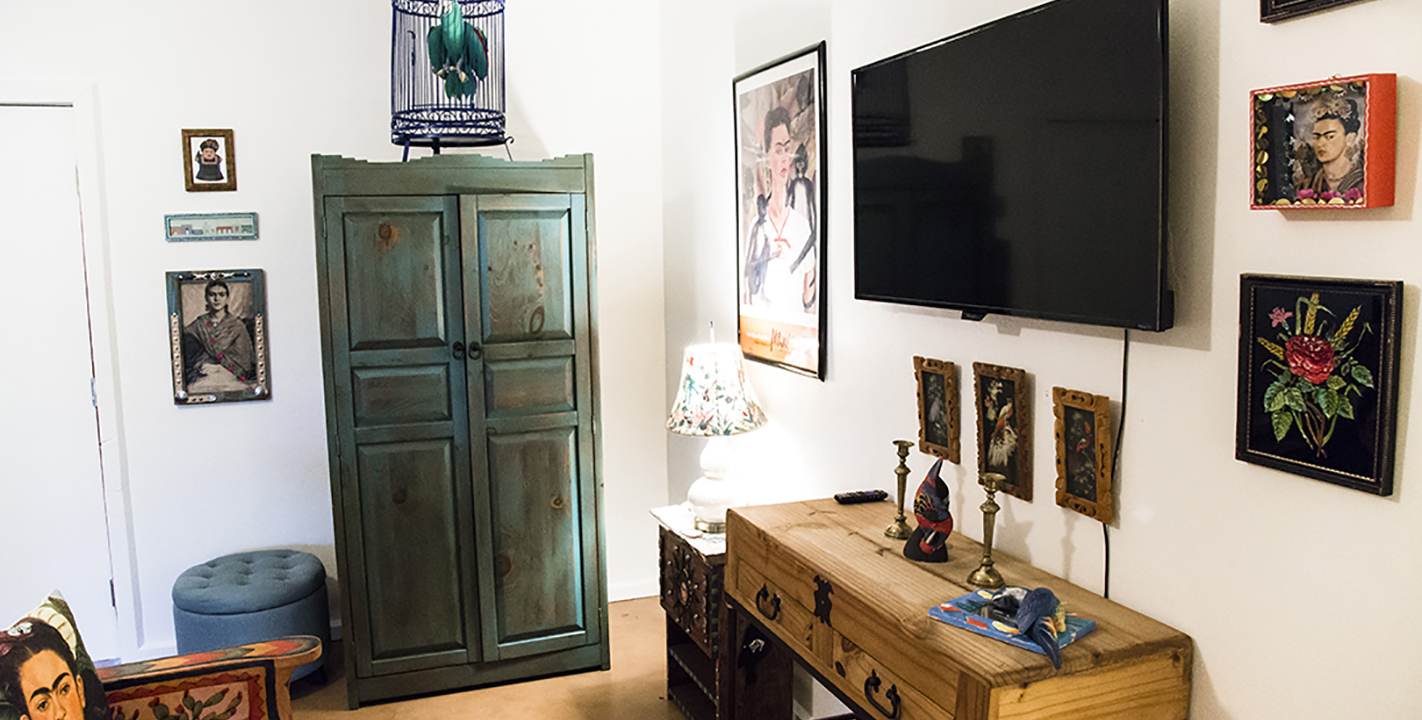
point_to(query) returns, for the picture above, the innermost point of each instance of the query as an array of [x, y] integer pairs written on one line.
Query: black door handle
[[476, 351], [459, 351]]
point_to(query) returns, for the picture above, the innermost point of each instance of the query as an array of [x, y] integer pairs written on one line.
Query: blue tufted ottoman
[[250, 597]]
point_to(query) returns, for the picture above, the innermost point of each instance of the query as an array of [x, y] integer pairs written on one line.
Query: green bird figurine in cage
[[459, 52]]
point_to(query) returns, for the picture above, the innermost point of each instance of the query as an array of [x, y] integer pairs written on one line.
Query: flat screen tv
[[1018, 168]]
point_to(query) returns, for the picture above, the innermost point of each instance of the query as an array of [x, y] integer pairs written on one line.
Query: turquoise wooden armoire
[[459, 350]]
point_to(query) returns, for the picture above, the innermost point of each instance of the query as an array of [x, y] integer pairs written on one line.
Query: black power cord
[[1116, 457]]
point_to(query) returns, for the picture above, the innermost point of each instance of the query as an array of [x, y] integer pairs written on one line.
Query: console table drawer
[[874, 686], [781, 611]]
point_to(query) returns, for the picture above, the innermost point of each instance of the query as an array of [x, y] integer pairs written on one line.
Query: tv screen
[[1018, 168]]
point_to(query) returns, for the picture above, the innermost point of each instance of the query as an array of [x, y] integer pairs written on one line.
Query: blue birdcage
[[437, 96]]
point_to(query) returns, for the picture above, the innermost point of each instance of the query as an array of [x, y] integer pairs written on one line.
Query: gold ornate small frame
[[1084, 453], [937, 383], [1004, 426], [212, 172]]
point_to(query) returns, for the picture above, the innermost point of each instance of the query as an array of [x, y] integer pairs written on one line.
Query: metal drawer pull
[[871, 686], [774, 610]]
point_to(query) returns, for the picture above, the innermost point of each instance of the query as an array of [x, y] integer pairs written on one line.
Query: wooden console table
[[822, 579]]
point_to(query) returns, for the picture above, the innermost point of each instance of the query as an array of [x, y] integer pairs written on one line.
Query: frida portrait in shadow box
[[1325, 145]]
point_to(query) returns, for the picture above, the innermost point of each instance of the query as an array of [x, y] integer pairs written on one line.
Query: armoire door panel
[[414, 599], [395, 277], [382, 434], [398, 395], [524, 245], [537, 535], [529, 387], [523, 350]]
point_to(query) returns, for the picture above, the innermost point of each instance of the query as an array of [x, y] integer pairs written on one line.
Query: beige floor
[[634, 688]]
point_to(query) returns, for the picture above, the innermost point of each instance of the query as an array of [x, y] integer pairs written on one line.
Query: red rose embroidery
[[1310, 356]]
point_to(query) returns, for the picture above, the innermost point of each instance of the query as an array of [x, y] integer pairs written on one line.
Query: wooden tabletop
[[882, 599]]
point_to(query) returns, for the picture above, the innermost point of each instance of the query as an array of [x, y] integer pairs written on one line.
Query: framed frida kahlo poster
[[1318, 364], [780, 196]]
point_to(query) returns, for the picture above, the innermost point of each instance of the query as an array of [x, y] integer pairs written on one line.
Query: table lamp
[[715, 400]]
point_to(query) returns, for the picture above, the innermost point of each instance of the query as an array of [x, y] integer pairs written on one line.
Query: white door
[[54, 533]]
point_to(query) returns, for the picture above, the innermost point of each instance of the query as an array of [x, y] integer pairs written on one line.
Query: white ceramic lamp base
[[711, 494]]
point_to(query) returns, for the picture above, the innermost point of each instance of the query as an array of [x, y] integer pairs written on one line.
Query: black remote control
[[859, 496]]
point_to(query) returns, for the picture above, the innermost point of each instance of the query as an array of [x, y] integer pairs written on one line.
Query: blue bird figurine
[[1036, 615]]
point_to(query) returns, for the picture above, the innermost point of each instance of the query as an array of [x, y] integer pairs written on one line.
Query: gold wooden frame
[[1016, 430], [1086, 490], [932, 377], [229, 160]]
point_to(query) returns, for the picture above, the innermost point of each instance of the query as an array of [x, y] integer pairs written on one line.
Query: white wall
[[292, 79], [1251, 562]]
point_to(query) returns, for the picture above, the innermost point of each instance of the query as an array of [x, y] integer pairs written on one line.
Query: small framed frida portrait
[[1325, 145], [1318, 362], [779, 113], [209, 160], [1276, 10], [1084, 453], [217, 330], [1004, 426], [937, 383]]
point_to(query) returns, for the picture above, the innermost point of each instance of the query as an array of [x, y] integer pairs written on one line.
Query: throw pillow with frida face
[[45, 672]]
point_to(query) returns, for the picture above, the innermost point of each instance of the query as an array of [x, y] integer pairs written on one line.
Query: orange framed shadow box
[[1328, 144]]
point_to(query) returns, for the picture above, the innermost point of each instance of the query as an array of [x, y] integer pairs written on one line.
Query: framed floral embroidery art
[[218, 337], [1318, 364]]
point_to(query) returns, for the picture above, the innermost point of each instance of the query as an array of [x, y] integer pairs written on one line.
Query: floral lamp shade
[[714, 399]]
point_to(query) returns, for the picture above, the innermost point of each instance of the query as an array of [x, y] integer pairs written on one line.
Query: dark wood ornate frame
[[1019, 478], [929, 374], [1098, 506]]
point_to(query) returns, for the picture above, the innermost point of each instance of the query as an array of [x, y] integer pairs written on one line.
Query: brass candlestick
[[898, 529], [987, 576]]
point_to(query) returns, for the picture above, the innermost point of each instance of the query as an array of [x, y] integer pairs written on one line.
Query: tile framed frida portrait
[[217, 334]]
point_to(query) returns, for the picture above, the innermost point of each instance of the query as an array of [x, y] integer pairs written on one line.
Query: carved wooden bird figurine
[[930, 508]]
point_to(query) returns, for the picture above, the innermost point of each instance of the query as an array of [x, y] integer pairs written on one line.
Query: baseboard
[[632, 590]]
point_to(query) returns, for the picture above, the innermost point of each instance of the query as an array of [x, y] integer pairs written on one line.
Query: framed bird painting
[[937, 408], [1084, 453], [1004, 403]]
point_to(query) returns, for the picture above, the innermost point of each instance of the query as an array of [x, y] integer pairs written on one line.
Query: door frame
[[82, 98]]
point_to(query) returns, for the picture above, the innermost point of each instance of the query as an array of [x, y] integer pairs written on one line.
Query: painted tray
[[962, 612]]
